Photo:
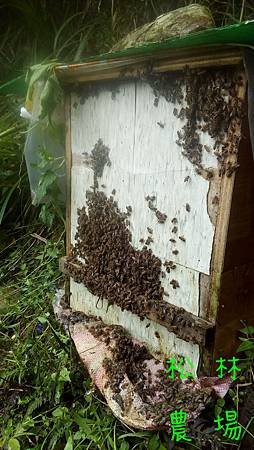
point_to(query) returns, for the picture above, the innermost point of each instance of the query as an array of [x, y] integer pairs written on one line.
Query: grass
[[47, 400], [14, 192], [84, 27]]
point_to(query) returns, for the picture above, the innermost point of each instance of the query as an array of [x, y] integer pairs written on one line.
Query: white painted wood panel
[[166, 345], [187, 295], [145, 160]]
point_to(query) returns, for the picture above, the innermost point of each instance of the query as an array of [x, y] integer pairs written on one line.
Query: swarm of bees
[[162, 217], [208, 110], [131, 359], [115, 270], [174, 284], [169, 266], [100, 158]]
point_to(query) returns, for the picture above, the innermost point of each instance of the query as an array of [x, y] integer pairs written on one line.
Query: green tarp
[[238, 34]]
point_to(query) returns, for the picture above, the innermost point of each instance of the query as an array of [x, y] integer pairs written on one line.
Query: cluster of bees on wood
[[211, 105], [129, 358], [112, 268]]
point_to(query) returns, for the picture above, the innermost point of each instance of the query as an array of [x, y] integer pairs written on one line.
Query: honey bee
[[175, 284]]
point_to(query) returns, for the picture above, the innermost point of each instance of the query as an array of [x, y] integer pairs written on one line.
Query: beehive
[[160, 214]]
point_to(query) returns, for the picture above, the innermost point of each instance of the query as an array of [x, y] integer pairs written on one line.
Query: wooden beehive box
[[154, 143]]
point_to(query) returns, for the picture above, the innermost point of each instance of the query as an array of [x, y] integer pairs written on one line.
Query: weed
[[47, 401], [15, 203]]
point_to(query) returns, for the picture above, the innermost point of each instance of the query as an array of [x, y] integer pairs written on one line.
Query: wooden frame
[[133, 67], [166, 61], [68, 156]]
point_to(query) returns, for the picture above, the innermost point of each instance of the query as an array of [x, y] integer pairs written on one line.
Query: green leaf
[[124, 446], [64, 375], [60, 411], [231, 393], [220, 402], [69, 445], [154, 442], [138, 434], [13, 444], [38, 72], [217, 410], [46, 216], [27, 423], [111, 442], [46, 180], [245, 345], [248, 330], [42, 319], [50, 97]]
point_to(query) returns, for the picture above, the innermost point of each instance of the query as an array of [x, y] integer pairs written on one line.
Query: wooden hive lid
[[211, 47]]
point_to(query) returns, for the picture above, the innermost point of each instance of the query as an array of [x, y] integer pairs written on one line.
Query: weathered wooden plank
[[164, 61], [160, 342], [226, 191], [147, 163], [183, 324], [145, 160], [240, 239], [68, 162]]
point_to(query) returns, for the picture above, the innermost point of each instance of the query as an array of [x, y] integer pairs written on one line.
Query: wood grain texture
[[145, 160], [183, 324], [225, 200], [166, 344], [164, 61], [240, 241], [235, 310], [68, 159]]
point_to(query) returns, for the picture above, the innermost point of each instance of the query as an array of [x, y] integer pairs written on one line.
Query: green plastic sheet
[[238, 34]]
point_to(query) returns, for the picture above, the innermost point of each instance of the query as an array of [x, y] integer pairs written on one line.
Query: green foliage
[[15, 201], [51, 95], [247, 348], [48, 191], [84, 27], [48, 401], [48, 169], [219, 406]]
